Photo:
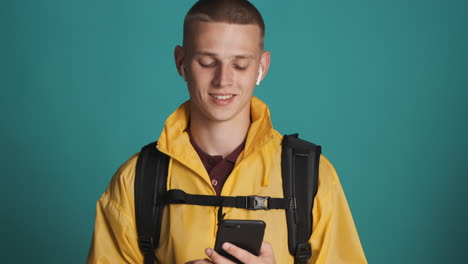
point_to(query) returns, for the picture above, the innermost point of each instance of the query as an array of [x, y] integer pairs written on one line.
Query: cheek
[[248, 80], [195, 92], [197, 81], [201, 77]]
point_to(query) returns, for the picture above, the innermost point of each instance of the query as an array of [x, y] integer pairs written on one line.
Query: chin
[[221, 117]]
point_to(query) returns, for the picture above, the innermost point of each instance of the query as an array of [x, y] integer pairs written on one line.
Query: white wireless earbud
[[259, 78], [182, 71]]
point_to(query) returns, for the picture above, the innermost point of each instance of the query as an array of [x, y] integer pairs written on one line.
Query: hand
[[266, 255]]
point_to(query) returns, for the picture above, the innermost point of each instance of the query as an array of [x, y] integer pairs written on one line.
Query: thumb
[[266, 249]]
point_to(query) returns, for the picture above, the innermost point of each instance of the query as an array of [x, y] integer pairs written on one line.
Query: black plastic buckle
[[146, 244], [257, 202], [303, 253], [292, 203]]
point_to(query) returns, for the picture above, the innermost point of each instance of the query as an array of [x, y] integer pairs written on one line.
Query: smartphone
[[246, 234]]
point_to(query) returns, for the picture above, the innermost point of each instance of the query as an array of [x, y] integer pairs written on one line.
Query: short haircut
[[240, 12]]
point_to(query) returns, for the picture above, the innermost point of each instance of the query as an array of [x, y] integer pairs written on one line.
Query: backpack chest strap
[[252, 202]]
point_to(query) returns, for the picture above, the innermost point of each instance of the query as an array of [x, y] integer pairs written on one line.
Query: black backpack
[[299, 166]]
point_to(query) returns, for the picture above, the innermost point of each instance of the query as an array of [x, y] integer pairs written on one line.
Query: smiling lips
[[222, 99]]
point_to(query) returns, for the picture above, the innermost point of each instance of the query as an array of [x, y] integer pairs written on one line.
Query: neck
[[219, 137]]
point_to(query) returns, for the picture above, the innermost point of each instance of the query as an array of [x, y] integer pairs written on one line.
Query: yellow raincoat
[[188, 229]]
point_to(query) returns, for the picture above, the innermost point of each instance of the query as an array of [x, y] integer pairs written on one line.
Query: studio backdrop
[[381, 85]]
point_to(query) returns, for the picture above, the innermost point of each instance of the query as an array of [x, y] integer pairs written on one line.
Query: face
[[221, 63]]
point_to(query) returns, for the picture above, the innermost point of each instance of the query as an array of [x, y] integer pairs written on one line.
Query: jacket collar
[[175, 142]]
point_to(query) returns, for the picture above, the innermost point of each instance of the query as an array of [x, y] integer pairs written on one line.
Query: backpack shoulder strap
[[150, 185], [299, 165]]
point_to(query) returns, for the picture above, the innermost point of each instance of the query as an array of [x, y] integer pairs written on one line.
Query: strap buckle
[[292, 203], [257, 202], [303, 252], [146, 244]]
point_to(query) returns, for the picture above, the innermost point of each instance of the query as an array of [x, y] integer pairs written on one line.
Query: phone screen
[[246, 234]]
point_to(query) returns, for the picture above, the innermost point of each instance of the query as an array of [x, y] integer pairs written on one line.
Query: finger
[[266, 249], [239, 253], [217, 258]]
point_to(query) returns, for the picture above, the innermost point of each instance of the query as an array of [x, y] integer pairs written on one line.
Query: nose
[[223, 76]]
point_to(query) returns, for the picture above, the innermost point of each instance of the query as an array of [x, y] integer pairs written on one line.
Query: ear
[[179, 59], [264, 65]]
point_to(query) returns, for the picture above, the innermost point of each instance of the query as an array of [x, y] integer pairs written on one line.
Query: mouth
[[222, 99], [222, 96]]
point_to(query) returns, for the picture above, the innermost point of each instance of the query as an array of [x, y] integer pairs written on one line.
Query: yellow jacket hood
[[174, 139]]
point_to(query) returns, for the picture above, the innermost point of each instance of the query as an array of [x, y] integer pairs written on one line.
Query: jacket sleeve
[[334, 238], [114, 238]]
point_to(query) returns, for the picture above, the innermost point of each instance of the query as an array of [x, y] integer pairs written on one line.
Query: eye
[[241, 64], [239, 67], [207, 62]]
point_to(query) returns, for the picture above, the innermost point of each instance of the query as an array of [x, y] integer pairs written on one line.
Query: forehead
[[224, 39]]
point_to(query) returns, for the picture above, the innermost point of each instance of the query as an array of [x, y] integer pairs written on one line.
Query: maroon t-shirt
[[218, 168]]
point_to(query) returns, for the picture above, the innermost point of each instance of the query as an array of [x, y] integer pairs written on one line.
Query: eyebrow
[[211, 54]]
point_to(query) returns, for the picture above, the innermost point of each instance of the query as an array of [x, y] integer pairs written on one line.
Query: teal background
[[382, 85]]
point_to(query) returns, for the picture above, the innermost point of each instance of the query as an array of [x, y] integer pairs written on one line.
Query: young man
[[221, 142]]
